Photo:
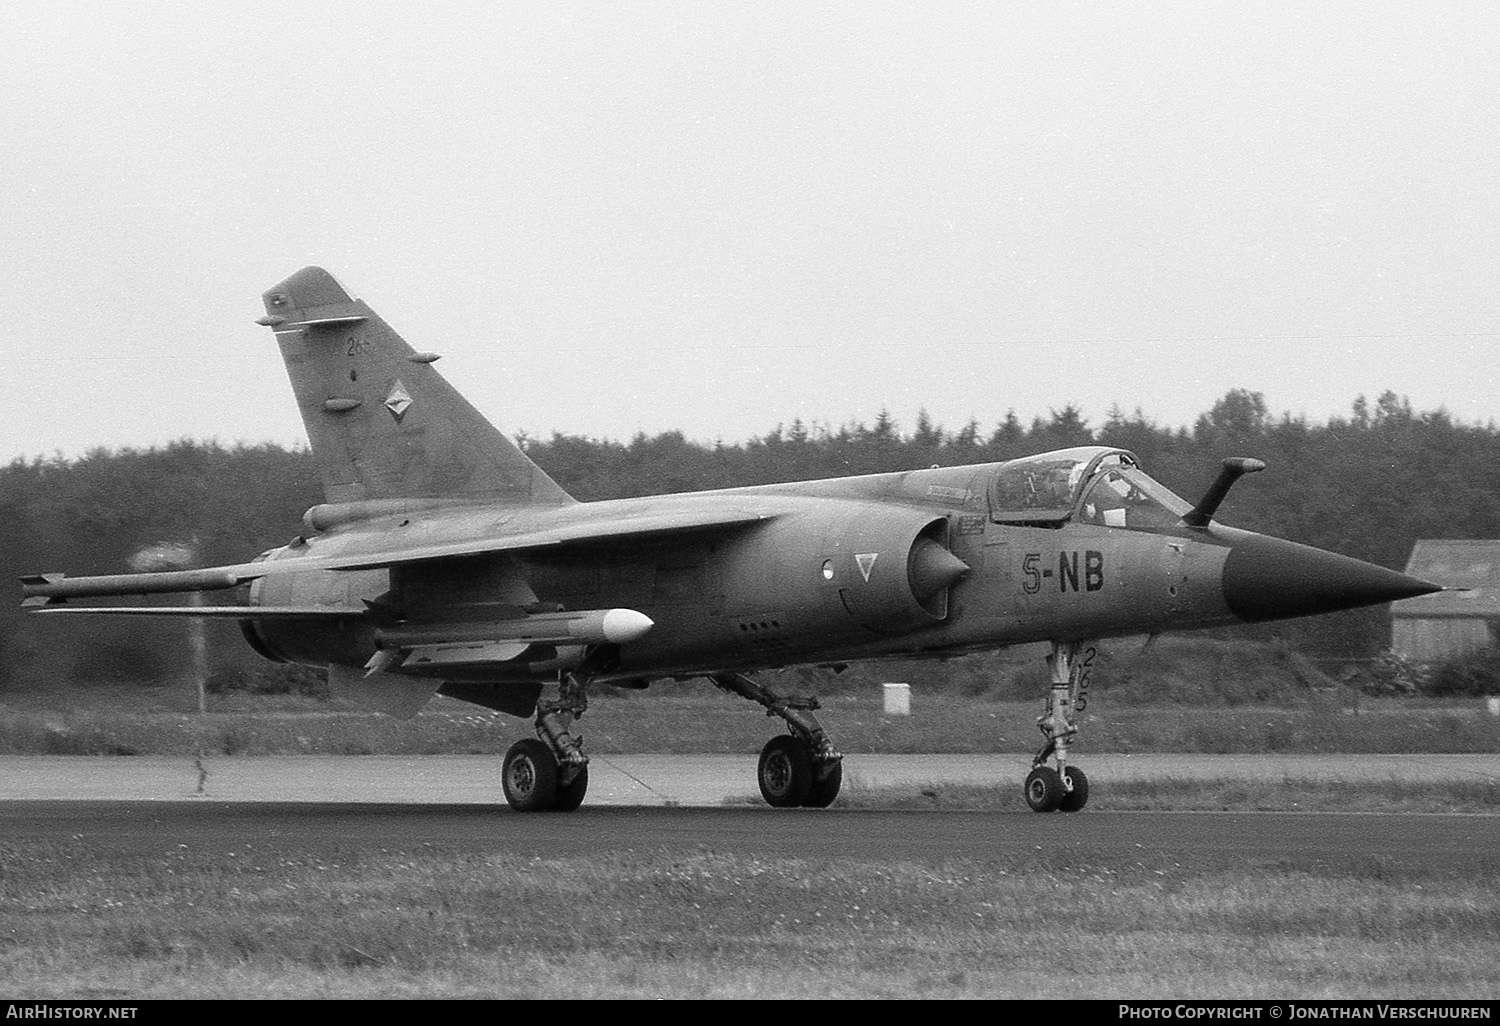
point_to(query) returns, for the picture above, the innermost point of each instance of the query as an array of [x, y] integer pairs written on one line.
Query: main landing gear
[[550, 773], [1065, 788], [801, 767]]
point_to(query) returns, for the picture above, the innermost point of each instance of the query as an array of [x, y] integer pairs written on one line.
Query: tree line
[[1367, 484]]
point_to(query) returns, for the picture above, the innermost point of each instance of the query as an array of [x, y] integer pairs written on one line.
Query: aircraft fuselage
[[826, 576]]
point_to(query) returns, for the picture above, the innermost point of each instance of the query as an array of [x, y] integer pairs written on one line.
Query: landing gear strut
[[550, 772], [801, 767], [1064, 788]]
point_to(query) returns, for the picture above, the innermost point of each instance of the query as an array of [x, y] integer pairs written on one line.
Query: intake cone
[[930, 568]]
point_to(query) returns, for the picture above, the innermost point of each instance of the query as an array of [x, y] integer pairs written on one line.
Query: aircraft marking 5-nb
[[444, 561]]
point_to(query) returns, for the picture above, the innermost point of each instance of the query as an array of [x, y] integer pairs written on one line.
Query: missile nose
[[1268, 578], [622, 625]]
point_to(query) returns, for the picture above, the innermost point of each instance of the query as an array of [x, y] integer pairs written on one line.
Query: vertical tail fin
[[382, 422]]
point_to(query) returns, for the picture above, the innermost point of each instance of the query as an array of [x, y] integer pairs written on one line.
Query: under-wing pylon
[[445, 561]]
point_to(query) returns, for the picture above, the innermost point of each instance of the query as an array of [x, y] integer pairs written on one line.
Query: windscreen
[[1095, 484], [1125, 497]]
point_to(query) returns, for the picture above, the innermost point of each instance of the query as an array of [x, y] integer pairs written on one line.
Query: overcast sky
[[622, 217]]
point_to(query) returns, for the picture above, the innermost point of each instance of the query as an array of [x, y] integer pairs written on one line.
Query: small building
[[1446, 624]]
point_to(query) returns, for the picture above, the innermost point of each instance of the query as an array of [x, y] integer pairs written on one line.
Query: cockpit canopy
[[1092, 484]]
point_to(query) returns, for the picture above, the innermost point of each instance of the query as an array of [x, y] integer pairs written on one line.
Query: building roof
[[1460, 563]]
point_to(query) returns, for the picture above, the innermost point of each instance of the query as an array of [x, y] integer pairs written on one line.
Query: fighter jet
[[444, 561]]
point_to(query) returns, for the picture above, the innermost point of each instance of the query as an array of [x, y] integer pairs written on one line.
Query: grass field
[[706, 721], [435, 924]]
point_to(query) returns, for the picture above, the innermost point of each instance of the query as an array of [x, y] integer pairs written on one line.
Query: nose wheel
[[1044, 789], [1061, 788], [1050, 791]]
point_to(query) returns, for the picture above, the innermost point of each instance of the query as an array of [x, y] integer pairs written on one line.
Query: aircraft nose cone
[[1268, 578]]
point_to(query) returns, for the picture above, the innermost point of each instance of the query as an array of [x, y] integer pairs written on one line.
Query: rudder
[[382, 422]]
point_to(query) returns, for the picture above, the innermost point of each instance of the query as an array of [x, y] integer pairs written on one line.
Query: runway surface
[[1114, 841], [347, 807]]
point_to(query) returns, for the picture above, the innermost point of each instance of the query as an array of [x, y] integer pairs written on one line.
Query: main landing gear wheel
[[1045, 789], [570, 795], [550, 773], [788, 775], [785, 772], [1078, 797], [826, 788], [530, 777]]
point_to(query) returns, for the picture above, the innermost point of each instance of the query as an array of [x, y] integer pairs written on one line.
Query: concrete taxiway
[[640, 780]]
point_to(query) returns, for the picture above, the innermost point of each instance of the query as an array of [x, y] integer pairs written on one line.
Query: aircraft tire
[[1077, 798], [785, 772], [822, 792], [570, 796], [1044, 789], [530, 776]]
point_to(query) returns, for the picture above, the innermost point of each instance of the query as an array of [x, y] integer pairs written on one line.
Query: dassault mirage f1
[[445, 561]]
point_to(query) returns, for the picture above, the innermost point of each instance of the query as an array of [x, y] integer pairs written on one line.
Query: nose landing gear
[[1064, 788]]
